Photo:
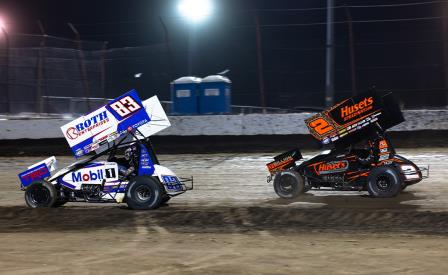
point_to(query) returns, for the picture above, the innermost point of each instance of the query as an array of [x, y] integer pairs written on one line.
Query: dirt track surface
[[232, 222]]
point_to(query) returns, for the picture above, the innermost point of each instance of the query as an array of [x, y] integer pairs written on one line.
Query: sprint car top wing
[[158, 119], [87, 133], [158, 122], [347, 120]]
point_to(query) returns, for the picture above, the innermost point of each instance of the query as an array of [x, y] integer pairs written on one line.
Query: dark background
[[406, 57]]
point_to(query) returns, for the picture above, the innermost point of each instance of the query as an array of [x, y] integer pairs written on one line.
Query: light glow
[[195, 10]]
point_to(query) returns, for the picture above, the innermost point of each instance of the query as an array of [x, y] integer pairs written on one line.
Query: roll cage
[[123, 142]]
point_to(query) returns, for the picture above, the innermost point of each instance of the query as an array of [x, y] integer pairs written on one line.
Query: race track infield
[[232, 223]]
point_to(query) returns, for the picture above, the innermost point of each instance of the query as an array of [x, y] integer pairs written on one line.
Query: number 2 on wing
[[321, 126], [125, 106]]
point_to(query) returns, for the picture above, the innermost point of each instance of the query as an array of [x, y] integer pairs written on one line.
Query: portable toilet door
[[184, 95], [215, 95]]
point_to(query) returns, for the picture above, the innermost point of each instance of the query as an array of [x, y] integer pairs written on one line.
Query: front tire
[[143, 193], [288, 184], [40, 194], [384, 182]]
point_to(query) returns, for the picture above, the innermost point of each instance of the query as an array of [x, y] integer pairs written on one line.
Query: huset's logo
[[332, 167], [348, 112], [87, 125]]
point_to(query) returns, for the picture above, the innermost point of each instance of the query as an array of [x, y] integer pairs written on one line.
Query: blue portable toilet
[[184, 95], [214, 95]]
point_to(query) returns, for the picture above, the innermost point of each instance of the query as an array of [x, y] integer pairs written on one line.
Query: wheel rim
[[384, 182], [39, 195], [286, 184], [143, 193]]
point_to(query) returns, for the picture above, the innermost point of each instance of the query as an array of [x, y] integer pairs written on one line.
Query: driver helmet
[[129, 152]]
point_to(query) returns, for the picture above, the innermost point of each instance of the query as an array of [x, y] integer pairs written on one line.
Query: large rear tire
[[143, 193], [384, 182], [40, 194], [288, 184]]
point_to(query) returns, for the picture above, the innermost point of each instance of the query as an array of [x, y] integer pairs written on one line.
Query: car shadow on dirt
[[333, 200]]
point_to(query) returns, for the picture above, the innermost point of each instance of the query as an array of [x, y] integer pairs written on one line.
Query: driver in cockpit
[[127, 164]]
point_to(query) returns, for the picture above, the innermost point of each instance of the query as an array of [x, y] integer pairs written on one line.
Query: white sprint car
[[118, 161]]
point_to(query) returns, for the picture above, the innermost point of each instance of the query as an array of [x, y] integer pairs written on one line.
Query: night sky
[[405, 57]]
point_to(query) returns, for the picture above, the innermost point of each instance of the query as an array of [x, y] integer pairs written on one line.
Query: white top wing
[[159, 120]]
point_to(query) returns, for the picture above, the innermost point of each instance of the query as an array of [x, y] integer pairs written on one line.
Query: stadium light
[[2, 24], [195, 10]]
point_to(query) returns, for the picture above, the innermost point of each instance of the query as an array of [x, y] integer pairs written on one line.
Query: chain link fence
[[39, 72]]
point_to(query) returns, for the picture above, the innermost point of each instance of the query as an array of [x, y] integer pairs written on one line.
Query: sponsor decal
[[331, 167], [112, 136], [172, 182], [79, 152], [125, 106], [146, 166], [105, 124], [320, 126], [37, 173], [278, 165], [345, 118], [97, 175], [349, 112], [87, 125]]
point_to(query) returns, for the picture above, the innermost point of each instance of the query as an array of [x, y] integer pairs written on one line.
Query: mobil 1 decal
[[129, 111], [355, 108], [94, 173]]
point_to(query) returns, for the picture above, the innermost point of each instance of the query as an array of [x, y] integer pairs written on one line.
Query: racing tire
[[143, 193], [288, 184], [40, 194], [384, 182]]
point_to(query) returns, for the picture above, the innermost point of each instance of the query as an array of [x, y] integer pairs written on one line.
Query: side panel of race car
[[333, 169], [146, 164], [350, 169], [98, 178]]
